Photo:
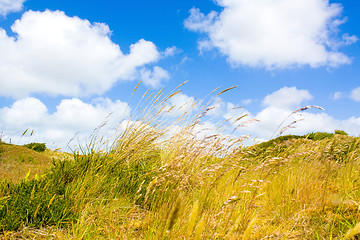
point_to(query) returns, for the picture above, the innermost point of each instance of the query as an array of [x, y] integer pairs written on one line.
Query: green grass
[[152, 186]]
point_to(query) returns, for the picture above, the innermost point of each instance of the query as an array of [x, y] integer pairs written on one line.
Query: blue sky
[[65, 65]]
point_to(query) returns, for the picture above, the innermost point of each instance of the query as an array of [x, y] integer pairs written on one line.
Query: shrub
[[341, 132], [38, 147]]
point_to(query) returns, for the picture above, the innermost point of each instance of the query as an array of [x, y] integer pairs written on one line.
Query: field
[[151, 186]]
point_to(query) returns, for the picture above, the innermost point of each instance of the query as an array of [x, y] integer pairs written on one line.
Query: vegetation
[[38, 147], [341, 132], [150, 185], [34, 203], [18, 161]]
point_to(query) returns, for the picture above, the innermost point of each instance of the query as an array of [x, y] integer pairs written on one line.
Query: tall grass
[[156, 185]]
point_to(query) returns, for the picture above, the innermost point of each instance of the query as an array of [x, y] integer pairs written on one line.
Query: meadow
[[150, 185]]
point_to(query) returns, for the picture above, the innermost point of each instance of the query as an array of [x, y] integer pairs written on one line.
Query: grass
[[17, 161], [150, 185]]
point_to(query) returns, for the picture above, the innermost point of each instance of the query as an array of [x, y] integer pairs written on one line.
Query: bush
[[38, 147], [341, 132]]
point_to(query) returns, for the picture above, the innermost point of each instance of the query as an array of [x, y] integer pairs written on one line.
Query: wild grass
[[156, 185]]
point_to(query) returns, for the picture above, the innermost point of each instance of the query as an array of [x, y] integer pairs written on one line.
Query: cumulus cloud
[[278, 108], [217, 107], [180, 104], [8, 6], [355, 94], [227, 109], [277, 113], [59, 55], [154, 77], [76, 119], [275, 33], [72, 118], [233, 113], [287, 98], [28, 111]]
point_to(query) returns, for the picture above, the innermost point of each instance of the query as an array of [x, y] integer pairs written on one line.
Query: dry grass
[[17, 161], [155, 186]]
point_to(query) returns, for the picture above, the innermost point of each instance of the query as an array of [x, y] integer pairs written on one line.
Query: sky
[[66, 65]]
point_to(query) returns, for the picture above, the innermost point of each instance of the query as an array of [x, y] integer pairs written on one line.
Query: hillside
[[291, 187], [16, 161]]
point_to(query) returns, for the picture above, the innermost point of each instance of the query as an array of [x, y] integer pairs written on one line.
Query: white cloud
[[274, 33], [8, 6], [278, 112], [337, 95], [171, 51], [227, 109], [184, 60], [198, 21], [154, 77], [217, 107], [75, 114], [181, 100], [355, 94], [233, 113], [279, 107], [204, 130], [24, 112], [180, 104], [72, 117], [287, 98], [60, 55]]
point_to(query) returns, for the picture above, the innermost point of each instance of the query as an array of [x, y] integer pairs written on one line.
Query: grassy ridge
[[156, 185], [17, 161], [292, 189]]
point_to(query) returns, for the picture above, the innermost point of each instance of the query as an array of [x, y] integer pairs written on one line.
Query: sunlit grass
[[156, 185]]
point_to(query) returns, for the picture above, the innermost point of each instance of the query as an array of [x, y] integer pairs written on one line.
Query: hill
[[292, 187], [16, 161]]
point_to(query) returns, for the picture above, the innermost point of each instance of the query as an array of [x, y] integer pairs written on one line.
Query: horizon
[[65, 65]]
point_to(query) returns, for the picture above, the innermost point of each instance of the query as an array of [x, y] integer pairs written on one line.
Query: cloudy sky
[[66, 65]]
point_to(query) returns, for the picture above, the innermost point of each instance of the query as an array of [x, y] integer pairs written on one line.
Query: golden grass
[[183, 187], [17, 161]]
